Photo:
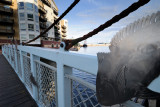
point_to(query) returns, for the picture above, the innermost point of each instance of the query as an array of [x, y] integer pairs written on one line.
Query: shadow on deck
[[12, 91]]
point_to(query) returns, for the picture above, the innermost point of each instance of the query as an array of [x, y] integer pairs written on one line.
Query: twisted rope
[[67, 11], [124, 13]]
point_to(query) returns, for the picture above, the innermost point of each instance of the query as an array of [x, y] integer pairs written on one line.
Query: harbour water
[[93, 50], [89, 51], [87, 77]]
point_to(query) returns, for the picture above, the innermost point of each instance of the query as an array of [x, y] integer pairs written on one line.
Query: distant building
[[25, 19], [8, 21], [63, 28]]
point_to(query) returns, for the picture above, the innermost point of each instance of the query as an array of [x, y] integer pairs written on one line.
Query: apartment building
[[26, 19], [9, 27], [63, 28]]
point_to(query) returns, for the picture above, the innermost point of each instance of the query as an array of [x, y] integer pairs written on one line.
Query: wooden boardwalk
[[12, 91]]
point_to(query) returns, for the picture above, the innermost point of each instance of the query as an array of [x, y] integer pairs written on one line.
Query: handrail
[[48, 66], [55, 85]]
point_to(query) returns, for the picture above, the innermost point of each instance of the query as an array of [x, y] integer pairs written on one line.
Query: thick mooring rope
[[126, 12], [67, 11]]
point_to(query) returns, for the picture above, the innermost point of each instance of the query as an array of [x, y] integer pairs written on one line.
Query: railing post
[[63, 86], [16, 61], [33, 70], [60, 85], [68, 87], [3, 50], [9, 55], [22, 67]]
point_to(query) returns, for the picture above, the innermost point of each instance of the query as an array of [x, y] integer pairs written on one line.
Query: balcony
[[64, 31], [64, 35], [42, 10], [55, 12], [45, 35], [46, 2], [7, 31], [9, 2], [43, 25], [7, 21], [57, 32], [57, 27], [5, 10], [42, 18], [64, 27]]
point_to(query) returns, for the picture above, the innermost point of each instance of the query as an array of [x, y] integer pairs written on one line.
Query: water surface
[[93, 50]]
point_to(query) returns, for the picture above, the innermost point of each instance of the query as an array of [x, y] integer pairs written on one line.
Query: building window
[[8, 27], [30, 17], [37, 28], [23, 37], [23, 40], [9, 37], [22, 26], [22, 16], [29, 6], [7, 7], [21, 5], [36, 18], [35, 8], [31, 36], [30, 27]]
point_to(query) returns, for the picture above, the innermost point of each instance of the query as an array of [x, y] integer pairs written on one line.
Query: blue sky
[[89, 14]]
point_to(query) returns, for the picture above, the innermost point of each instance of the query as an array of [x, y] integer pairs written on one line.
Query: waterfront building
[[9, 27], [64, 28], [25, 19]]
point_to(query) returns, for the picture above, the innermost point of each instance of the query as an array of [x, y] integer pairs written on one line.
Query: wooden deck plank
[[12, 90]]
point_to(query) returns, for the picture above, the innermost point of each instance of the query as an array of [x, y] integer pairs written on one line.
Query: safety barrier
[[49, 78]]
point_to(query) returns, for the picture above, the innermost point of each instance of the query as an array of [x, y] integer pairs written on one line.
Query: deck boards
[[12, 91]]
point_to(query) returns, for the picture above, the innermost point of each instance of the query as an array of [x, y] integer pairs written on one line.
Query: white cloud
[[95, 2], [98, 13], [104, 36], [97, 16]]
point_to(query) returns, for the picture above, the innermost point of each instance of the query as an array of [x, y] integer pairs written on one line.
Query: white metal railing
[[55, 84]]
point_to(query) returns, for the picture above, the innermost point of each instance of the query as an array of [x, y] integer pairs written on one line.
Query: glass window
[[21, 5], [8, 27], [23, 40], [23, 26], [29, 6], [37, 28], [31, 36], [10, 36], [23, 37], [36, 18], [30, 17], [30, 27], [22, 16], [7, 7], [35, 8]]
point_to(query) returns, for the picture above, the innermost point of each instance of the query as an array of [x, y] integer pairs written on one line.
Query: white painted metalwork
[[56, 85], [27, 72], [46, 79]]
